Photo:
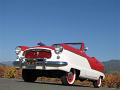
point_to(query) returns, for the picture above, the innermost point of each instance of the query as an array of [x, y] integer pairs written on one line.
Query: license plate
[[31, 66]]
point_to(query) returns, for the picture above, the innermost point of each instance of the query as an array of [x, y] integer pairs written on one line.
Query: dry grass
[[111, 80], [9, 72], [2, 70]]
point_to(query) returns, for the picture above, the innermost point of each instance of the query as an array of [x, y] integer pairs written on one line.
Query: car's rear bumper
[[40, 65]]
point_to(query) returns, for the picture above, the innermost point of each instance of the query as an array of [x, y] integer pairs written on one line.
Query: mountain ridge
[[112, 66]]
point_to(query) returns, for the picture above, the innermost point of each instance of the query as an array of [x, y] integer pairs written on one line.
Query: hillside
[[112, 66], [7, 63], [1, 64]]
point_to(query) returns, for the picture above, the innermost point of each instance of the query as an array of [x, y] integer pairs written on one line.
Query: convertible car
[[67, 61]]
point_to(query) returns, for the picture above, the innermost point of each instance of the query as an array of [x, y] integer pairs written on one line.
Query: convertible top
[[69, 43]]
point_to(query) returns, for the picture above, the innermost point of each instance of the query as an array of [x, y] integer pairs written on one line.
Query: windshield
[[75, 45]]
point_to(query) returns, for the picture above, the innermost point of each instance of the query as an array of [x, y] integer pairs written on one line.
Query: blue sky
[[27, 22]]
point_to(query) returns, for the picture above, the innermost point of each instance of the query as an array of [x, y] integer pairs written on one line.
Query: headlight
[[58, 49], [17, 50]]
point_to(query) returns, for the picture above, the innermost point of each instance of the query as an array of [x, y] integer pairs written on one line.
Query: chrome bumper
[[55, 63], [41, 63]]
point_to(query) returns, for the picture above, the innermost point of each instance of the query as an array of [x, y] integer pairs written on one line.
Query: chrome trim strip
[[42, 63], [55, 63]]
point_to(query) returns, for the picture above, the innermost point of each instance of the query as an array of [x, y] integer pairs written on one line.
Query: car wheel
[[69, 77], [97, 83], [29, 75]]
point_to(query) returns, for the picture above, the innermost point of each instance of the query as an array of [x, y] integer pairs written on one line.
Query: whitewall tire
[[97, 83], [69, 78]]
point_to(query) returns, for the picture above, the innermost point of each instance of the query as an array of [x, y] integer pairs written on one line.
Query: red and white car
[[64, 60]]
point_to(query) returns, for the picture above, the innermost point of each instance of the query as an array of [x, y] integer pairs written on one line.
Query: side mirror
[[86, 48]]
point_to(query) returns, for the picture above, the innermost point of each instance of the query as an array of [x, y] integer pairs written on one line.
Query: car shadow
[[53, 83]]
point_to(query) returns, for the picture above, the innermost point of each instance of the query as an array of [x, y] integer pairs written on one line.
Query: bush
[[10, 72]]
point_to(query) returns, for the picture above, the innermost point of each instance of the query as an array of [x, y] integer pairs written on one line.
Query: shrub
[[10, 72]]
